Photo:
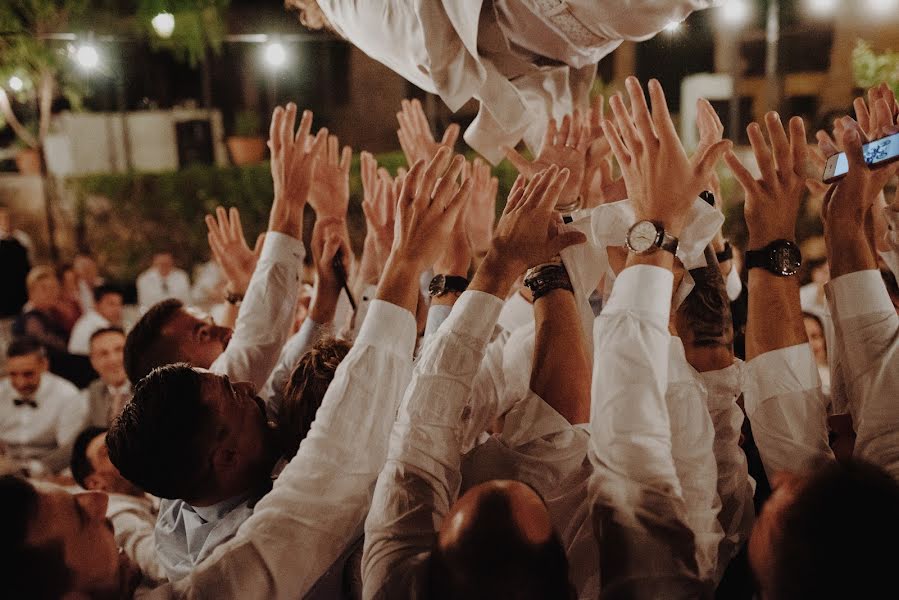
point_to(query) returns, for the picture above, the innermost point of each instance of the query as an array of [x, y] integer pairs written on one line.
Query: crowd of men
[[593, 395]]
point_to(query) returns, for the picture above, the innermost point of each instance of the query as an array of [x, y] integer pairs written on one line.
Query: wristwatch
[[645, 237], [442, 285], [781, 257], [545, 278], [234, 298]]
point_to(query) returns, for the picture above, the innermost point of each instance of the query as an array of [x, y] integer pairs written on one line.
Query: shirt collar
[[216, 512]]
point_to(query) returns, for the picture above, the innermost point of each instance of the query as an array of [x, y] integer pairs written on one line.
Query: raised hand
[[379, 207], [772, 202], [711, 130], [328, 238], [481, 211], [455, 259], [565, 147], [230, 250], [331, 188], [661, 181], [427, 209], [529, 232], [416, 138], [293, 168]]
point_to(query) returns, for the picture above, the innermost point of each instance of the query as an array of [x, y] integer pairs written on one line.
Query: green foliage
[[872, 68], [247, 123], [199, 26], [125, 217]]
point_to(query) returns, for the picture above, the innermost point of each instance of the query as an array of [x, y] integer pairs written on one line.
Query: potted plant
[[246, 146]]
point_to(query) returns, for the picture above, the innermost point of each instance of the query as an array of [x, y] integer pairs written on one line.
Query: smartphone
[[878, 152], [342, 277]]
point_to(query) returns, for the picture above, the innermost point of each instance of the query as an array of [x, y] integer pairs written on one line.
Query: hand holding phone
[[876, 153]]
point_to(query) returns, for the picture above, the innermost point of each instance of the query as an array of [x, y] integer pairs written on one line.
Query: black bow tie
[[24, 401]]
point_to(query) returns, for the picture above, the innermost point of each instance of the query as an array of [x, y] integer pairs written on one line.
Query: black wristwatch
[[543, 279], [781, 257], [442, 285], [726, 254]]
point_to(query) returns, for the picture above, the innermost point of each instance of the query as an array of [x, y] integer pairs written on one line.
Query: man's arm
[[783, 397], [263, 323], [864, 316], [421, 478], [635, 491]]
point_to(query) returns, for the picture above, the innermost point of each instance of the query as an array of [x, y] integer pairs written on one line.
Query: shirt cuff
[[643, 288], [282, 247], [859, 293], [780, 372], [723, 386], [733, 284], [474, 315], [389, 327], [437, 314]]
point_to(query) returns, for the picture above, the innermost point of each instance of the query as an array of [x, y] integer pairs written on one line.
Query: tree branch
[[10, 116]]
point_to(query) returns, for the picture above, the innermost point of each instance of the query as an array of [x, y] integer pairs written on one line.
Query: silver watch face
[[437, 285], [642, 236]]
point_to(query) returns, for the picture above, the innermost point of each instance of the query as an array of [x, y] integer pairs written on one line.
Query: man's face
[[25, 372], [110, 308], [86, 268], [769, 523], [243, 434], [78, 522], [816, 339], [164, 263], [199, 339], [44, 293], [107, 354], [106, 478]]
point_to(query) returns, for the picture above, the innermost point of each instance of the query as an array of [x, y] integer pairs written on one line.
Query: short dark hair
[[706, 309], [492, 560], [830, 544], [306, 389], [103, 331], [157, 442], [81, 464], [145, 347], [24, 346], [27, 572], [105, 290]]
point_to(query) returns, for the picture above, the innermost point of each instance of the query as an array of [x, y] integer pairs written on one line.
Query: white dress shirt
[[787, 410], [636, 494], [319, 502], [422, 475], [85, 326], [47, 432], [692, 446], [867, 323], [152, 287], [133, 520], [462, 51], [735, 487], [186, 535]]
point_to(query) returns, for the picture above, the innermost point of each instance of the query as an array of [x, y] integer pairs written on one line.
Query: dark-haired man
[[107, 395], [186, 410], [106, 312], [131, 512], [40, 413]]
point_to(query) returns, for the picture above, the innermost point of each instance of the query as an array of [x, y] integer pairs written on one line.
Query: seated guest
[[69, 307], [88, 275], [40, 413], [131, 511], [39, 318], [55, 544], [15, 262], [162, 281], [107, 312], [107, 396]]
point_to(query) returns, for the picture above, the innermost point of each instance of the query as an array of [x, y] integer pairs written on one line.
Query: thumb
[[711, 157], [568, 238], [517, 160], [260, 240], [852, 144]]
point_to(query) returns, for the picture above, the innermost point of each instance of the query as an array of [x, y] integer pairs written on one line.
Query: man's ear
[[224, 458], [95, 482]]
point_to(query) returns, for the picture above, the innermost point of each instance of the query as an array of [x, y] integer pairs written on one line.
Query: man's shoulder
[[57, 387]]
